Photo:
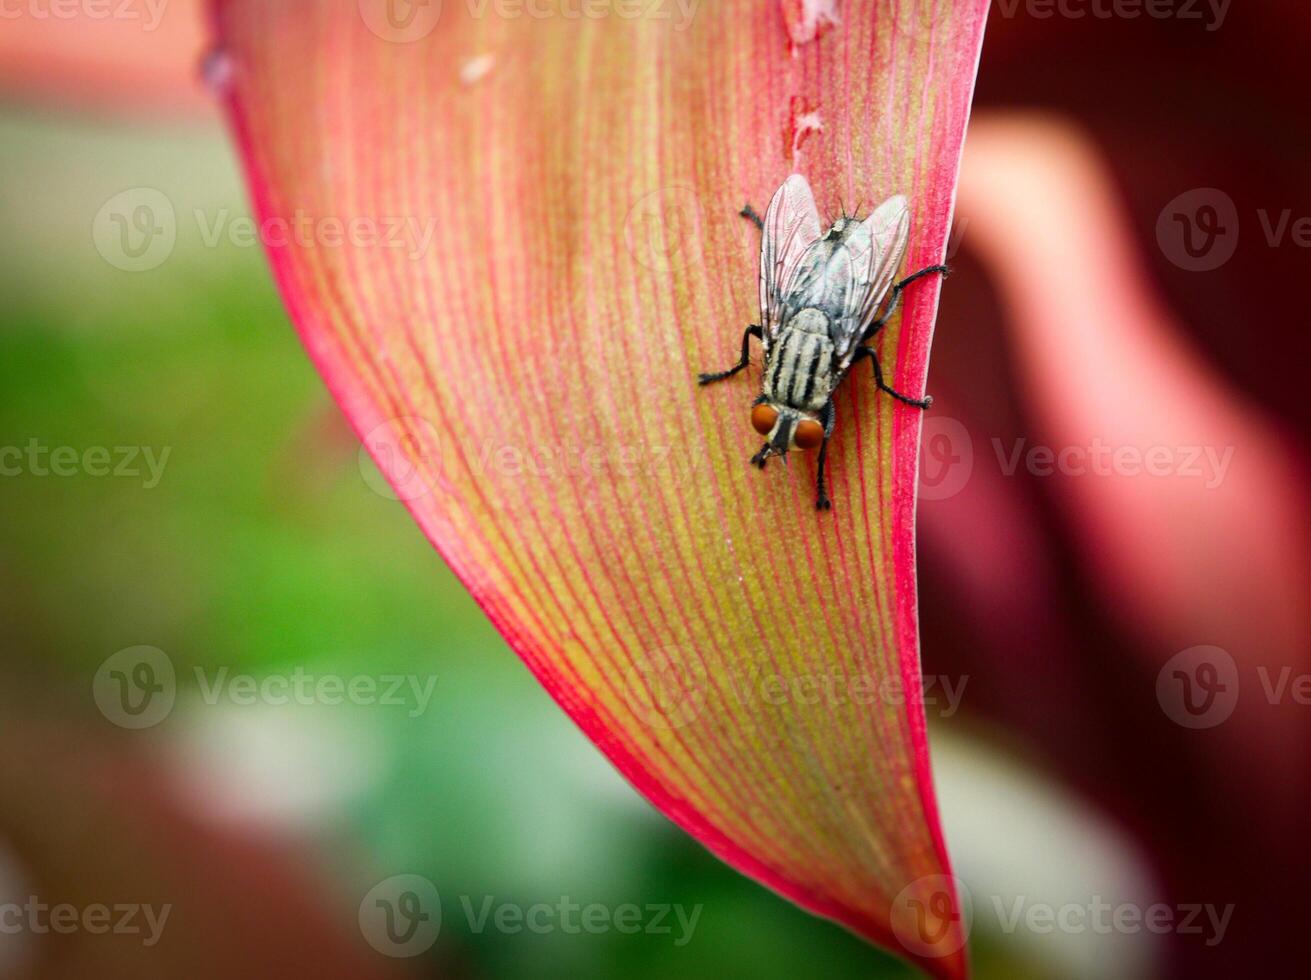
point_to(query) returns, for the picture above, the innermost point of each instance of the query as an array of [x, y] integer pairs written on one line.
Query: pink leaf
[[525, 377]]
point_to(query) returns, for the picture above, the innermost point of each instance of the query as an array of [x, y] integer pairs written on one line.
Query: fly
[[820, 297]]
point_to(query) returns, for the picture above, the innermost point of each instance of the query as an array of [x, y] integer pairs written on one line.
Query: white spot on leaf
[[805, 19], [475, 69]]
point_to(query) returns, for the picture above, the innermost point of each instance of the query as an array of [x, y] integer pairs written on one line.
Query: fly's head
[[784, 428]]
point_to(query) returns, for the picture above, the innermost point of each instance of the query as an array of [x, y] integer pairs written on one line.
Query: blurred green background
[[263, 548]]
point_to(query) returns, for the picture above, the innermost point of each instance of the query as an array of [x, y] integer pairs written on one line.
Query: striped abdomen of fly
[[799, 369]]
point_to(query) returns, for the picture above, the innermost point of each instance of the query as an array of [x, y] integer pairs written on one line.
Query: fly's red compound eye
[[809, 434], [763, 418]]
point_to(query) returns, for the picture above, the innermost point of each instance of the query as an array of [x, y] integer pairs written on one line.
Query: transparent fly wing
[[791, 225], [874, 253]]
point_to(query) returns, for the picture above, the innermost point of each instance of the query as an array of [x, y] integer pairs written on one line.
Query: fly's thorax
[[841, 228], [809, 320], [802, 363]]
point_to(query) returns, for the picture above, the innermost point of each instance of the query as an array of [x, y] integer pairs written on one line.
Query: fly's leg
[[928, 270], [895, 298], [751, 331], [749, 213], [867, 352], [826, 415], [754, 330]]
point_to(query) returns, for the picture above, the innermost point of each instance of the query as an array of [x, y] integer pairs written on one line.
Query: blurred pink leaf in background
[[134, 58], [1186, 598]]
